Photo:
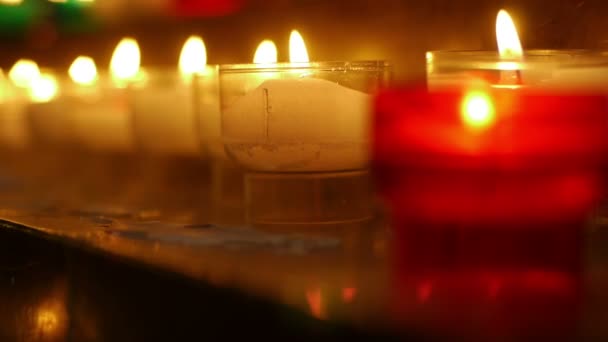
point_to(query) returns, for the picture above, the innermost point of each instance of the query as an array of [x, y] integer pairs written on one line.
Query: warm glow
[[11, 2], [477, 110], [47, 321], [266, 53], [83, 71], [24, 72], [193, 57], [314, 297], [44, 88], [348, 294], [507, 38], [297, 48], [125, 61]]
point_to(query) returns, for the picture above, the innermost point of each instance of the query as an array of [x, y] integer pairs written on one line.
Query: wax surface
[[302, 124]]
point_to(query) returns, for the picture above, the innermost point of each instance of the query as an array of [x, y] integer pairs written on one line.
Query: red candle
[[489, 156], [488, 191]]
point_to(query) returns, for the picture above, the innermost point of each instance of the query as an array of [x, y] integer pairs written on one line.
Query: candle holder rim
[[527, 53], [303, 66], [532, 59]]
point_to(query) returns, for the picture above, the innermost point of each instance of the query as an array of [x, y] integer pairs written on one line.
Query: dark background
[[397, 30]]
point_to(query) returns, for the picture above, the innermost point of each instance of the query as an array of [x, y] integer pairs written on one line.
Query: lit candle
[[490, 179], [45, 112], [490, 190], [299, 116], [165, 113], [300, 128], [14, 130], [509, 66], [101, 114], [51, 121]]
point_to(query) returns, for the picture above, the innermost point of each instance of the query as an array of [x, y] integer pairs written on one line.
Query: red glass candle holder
[[489, 189]]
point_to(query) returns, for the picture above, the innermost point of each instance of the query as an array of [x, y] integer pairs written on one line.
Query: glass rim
[[487, 59], [306, 66]]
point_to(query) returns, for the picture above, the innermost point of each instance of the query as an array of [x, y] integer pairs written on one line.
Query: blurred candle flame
[[266, 53], [24, 72], [314, 297], [126, 60], [297, 48], [193, 57], [44, 88], [509, 46], [477, 110], [83, 71], [11, 2]]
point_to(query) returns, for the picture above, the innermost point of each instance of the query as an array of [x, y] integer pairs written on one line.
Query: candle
[[490, 176], [299, 116], [165, 114], [47, 112], [14, 132], [306, 122], [51, 121], [489, 190], [101, 114], [509, 66]]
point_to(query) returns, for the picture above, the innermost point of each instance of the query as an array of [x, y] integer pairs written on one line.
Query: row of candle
[[292, 117], [162, 105]]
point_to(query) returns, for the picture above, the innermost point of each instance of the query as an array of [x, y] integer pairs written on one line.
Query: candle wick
[[510, 77]]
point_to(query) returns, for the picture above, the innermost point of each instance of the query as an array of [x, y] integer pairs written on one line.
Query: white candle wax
[[49, 122], [164, 117], [304, 124], [14, 127], [103, 122]]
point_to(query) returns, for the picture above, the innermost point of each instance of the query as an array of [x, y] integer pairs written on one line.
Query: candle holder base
[[308, 198], [227, 192]]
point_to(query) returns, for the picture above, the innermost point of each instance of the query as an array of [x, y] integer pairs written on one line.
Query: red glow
[[540, 160], [424, 290], [315, 302], [348, 294], [207, 8]]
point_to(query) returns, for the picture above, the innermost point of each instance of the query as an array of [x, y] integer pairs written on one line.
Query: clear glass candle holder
[[306, 121], [302, 117], [101, 117], [542, 68], [53, 120], [165, 111]]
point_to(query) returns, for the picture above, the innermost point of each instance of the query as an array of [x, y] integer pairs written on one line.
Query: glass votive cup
[[490, 156], [52, 117], [15, 133], [101, 118], [547, 68], [300, 126], [165, 113], [489, 190]]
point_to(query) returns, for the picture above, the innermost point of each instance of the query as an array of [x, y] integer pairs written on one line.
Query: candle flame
[[477, 110], [11, 2], [126, 60], [44, 88], [193, 57], [297, 48], [266, 53], [24, 72], [83, 71], [509, 46]]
